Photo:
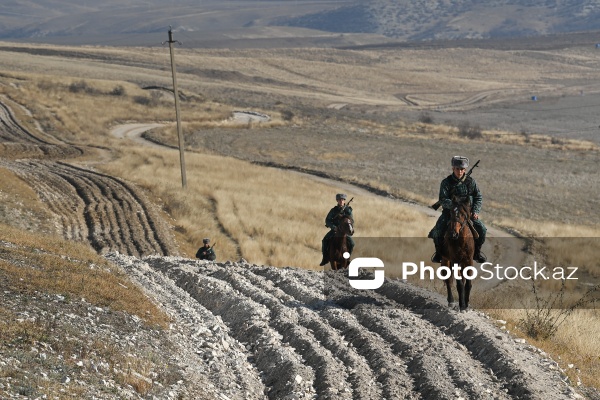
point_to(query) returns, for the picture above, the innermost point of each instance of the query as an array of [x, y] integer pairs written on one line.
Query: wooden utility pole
[[176, 94]]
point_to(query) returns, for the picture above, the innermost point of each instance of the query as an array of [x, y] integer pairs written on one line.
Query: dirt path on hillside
[[134, 132]]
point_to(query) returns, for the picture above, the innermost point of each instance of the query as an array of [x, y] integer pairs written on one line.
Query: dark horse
[[458, 248], [338, 244]]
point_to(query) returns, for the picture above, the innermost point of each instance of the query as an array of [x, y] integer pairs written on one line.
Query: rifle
[[341, 213], [439, 202], [344, 208]]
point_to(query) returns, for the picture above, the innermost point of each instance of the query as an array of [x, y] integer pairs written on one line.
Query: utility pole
[[176, 94]]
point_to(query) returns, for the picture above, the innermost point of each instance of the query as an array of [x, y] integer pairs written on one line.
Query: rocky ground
[[263, 332]]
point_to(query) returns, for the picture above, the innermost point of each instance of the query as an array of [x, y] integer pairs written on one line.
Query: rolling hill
[[217, 22]]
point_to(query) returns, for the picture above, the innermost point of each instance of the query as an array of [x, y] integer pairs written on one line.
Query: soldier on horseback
[[332, 221], [206, 252], [458, 184]]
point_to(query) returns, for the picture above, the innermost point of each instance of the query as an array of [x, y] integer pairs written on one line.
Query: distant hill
[[87, 21], [457, 19]]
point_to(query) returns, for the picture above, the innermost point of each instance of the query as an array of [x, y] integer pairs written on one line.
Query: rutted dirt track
[[109, 213], [288, 333], [310, 337]]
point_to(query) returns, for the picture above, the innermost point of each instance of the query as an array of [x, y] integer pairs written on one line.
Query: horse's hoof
[[451, 305], [464, 309]]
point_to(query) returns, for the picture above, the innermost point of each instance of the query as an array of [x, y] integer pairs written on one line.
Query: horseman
[[332, 221], [206, 252], [457, 184]]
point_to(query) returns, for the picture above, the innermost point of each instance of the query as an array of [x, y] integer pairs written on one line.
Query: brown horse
[[458, 248], [338, 244]]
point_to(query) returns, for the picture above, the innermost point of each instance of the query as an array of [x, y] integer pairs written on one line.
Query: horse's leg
[[448, 282], [449, 290], [468, 285], [460, 288]]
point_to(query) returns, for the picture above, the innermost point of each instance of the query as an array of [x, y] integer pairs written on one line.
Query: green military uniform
[[467, 186], [206, 252], [332, 221]]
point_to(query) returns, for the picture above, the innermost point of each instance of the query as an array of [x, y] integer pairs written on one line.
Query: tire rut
[[484, 343], [429, 349], [12, 131], [330, 374], [490, 365], [110, 214]]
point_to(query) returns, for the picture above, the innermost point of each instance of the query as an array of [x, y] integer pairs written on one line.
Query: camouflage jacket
[[333, 217], [468, 187], [206, 253]]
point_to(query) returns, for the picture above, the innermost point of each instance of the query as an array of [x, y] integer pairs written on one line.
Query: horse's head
[[459, 215], [346, 226]]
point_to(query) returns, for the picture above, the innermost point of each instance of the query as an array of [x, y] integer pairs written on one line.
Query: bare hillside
[[223, 22]]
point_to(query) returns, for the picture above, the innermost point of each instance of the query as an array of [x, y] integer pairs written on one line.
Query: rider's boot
[[479, 256], [324, 261], [325, 251], [437, 256]]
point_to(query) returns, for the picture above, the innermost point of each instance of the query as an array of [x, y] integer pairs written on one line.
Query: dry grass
[[20, 206], [33, 262], [577, 342], [453, 134], [264, 215], [72, 114]]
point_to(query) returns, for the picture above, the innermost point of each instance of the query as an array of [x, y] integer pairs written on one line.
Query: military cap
[[340, 196], [206, 240], [460, 162]]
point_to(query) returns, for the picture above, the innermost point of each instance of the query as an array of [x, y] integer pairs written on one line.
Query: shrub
[[550, 312], [82, 87], [287, 115], [469, 131], [426, 118], [118, 91], [143, 100]]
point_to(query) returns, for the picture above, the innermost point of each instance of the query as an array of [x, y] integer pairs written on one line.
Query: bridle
[[348, 227], [458, 211]]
